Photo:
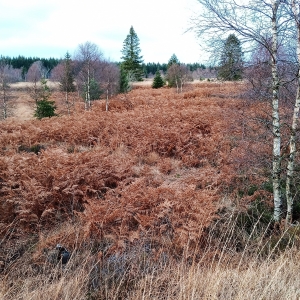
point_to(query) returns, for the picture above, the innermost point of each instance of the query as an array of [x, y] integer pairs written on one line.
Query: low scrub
[[140, 196]]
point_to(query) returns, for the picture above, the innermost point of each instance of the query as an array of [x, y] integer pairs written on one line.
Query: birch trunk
[[4, 105], [88, 88], [86, 101], [3, 88], [67, 102], [106, 104], [276, 120], [292, 144]]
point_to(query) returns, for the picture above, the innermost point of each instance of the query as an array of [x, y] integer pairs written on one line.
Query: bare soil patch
[[22, 106]]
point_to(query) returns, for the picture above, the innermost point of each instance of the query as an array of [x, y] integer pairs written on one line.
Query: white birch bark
[[231, 15], [67, 102], [276, 120], [86, 101], [4, 104], [88, 88], [177, 85], [292, 144], [106, 103], [3, 90]]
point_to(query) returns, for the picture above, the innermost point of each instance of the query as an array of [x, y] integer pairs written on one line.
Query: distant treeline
[[24, 63], [151, 68]]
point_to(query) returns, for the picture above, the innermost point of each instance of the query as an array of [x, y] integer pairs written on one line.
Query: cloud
[[60, 25]]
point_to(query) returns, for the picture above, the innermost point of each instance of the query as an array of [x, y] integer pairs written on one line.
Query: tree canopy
[[173, 60], [231, 61], [132, 60], [66, 79], [89, 60], [158, 82]]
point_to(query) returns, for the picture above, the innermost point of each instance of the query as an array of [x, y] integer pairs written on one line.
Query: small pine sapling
[[44, 107], [158, 81]]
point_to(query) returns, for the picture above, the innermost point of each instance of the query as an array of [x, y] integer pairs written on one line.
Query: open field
[[22, 107], [165, 196], [26, 85]]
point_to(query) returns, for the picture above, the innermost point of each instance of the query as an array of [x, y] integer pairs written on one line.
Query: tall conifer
[[132, 60], [67, 78], [173, 60], [231, 62]]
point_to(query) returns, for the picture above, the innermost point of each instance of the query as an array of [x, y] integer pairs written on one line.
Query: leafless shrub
[[88, 60], [36, 72], [178, 75]]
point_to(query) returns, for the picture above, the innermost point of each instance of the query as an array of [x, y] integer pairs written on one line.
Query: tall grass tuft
[[232, 263]]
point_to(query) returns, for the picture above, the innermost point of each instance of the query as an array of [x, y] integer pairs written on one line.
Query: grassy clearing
[[26, 85]]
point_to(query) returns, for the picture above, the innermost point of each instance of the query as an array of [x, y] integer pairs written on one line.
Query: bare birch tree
[[34, 75], [178, 75], [109, 81], [4, 87], [293, 8], [87, 56], [256, 21]]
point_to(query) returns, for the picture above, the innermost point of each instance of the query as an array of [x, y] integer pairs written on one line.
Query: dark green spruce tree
[[132, 60], [158, 82], [44, 107], [231, 62], [173, 60]]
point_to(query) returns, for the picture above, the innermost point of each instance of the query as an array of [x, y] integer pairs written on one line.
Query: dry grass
[[268, 280], [141, 273], [146, 82], [25, 85]]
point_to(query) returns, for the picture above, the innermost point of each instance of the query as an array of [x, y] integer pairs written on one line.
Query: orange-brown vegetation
[[155, 169], [157, 161]]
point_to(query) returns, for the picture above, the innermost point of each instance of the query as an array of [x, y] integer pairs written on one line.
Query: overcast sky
[[50, 28]]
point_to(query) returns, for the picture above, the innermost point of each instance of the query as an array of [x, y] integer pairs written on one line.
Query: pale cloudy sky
[[50, 28]]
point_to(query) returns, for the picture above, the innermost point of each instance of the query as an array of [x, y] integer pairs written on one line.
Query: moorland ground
[[165, 196]]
